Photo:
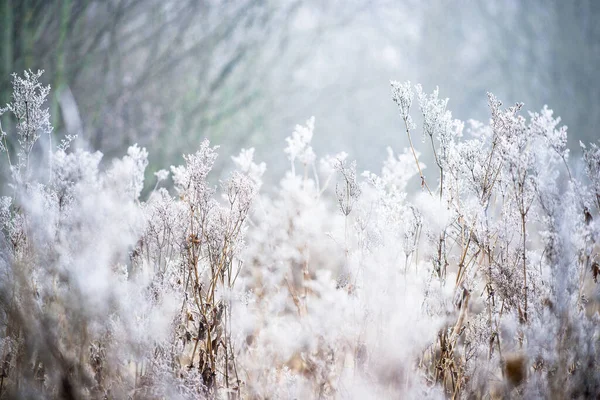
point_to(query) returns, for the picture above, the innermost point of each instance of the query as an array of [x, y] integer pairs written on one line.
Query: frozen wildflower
[[128, 173], [240, 191], [413, 222], [347, 189], [591, 158], [435, 117], [190, 180], [28, 98], [402, 95], [545, 125], [70, 170], [398, 170], [245, 163], [161, 175], [299, 144], [66, 142], [438, 124], [328, 164]]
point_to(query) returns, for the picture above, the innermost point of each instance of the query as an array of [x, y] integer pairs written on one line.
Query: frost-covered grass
[[481, 283]]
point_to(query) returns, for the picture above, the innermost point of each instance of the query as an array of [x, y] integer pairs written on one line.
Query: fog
[[166, 74], [228, 199]]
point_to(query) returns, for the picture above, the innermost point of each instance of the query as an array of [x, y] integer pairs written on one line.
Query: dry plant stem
[[486, 189], [295, 298], [524, 234], [417, 239], [462, 315], [584, 264], [498, 337], [490, 301], [412, 148], [461, 263], [437, 161], [229, 348], [227, 368], [523, 209], [194, 264], [465, 266]]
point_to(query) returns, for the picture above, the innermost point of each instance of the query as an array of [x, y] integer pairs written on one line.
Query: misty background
[[168, 73]]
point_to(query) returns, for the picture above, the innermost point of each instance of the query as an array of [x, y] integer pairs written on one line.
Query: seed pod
[[515, 369]]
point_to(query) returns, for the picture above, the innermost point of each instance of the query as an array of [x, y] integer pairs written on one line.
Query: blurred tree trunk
[[26, 34], [61, 50], [6, 24]]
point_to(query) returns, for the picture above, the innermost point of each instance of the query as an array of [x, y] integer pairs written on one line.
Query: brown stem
[[524, 233], [412, 148]]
